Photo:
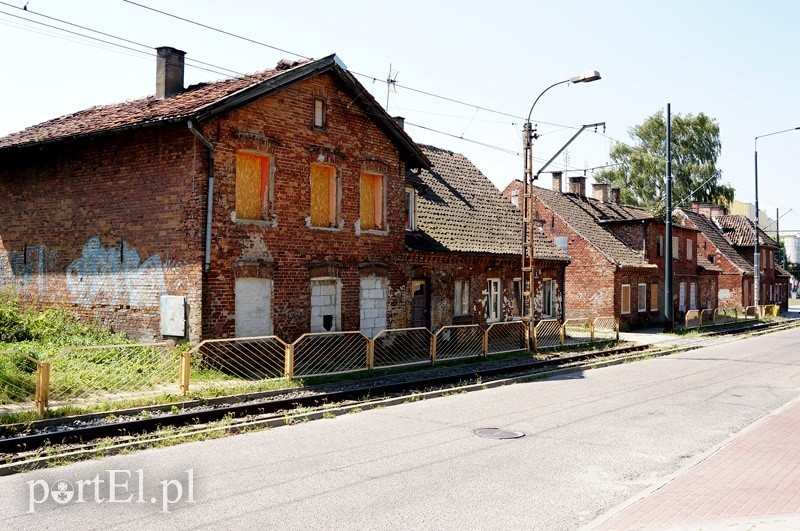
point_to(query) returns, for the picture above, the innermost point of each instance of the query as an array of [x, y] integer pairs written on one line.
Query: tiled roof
[[703, 263], [134, 113], [714, 234], [458, 209], [585, 216], [738, 230], [204, 100], [781, 271]]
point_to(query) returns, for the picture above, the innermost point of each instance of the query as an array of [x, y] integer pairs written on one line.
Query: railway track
[[21, 445]]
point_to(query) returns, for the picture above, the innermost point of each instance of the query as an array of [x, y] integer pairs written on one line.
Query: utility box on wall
[[173, 316]]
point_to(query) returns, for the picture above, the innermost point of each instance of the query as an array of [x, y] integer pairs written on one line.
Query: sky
[[465, 73]]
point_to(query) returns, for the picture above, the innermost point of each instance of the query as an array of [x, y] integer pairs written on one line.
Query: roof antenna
[[25, 7], [390, 83]]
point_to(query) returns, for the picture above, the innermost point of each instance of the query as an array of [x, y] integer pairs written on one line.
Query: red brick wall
[[442, 269], [105, 226], [350, 141]]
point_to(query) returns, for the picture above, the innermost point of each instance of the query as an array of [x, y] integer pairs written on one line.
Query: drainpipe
[[210, 194]]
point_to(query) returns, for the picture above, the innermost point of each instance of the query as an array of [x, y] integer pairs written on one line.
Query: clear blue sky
[[731, 59]]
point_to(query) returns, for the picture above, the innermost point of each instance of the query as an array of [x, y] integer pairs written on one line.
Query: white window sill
[[256, 222]]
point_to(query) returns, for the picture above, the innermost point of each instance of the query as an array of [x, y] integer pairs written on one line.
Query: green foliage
[[12, 322], [642, 166]]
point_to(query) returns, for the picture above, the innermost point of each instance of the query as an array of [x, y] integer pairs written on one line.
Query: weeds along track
[[47, 442], [79, 431]]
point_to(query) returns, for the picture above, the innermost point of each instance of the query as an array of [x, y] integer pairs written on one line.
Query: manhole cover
[[498, 433]]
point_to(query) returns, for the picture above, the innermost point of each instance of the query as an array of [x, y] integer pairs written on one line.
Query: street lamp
[[756, 252], [527, 208]]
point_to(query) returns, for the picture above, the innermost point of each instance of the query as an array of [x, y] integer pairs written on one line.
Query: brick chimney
[[717, 211], [557, 182], [577, 185], [169, 72], [615, 195], [600, 191]]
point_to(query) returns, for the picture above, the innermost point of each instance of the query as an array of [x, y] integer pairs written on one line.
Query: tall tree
[[641, 169]]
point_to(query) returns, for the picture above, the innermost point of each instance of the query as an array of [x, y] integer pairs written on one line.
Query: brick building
[[735, 282], [738, 230], [268, 203], [617, 255], [464, 246]]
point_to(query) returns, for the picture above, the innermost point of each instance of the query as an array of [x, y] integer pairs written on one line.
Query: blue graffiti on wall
[[115, 276]]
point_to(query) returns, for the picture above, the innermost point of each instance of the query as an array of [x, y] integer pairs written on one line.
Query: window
[[515, 198], [693, 296], [547, 298], [682, 297], [252, 310], [770, 293], [494, 300], [689, 250], [518, 297], [252, 185], [373, 305], [642, 302], [324, 196], [326, 309], [319, 114], [675, 248], [654, 297], [461, 302], [372, 201], [625, 299], [660, 246], [411, 222]]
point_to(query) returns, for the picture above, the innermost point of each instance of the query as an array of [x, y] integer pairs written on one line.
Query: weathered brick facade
[[106, 223]]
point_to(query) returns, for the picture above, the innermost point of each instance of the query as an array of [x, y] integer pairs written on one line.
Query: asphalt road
[[592, 440]]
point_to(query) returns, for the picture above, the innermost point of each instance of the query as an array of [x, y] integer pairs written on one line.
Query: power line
[[149, 48], [212, 28]]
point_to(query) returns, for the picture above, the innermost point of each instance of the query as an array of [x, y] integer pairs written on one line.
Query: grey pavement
[[593, 440]]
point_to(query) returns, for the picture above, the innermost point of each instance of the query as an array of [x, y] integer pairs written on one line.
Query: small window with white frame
[[676, 252], [689, 250], [494, 299], [642, 302], [625, 299], [410, 209], [660, 246], [319, 113]]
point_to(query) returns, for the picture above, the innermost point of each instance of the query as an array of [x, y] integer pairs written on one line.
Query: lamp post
[[527, 208], [756, 251]]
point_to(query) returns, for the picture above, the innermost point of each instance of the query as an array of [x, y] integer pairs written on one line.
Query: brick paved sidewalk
[[752, 482]]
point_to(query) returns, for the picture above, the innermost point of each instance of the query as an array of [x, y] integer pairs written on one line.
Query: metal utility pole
[[669, 317], [528, 234]]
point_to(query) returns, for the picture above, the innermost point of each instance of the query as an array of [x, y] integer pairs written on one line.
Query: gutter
[[209, 194]]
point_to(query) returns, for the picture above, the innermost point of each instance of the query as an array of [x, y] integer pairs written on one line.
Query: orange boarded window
[[323, 196], [252, 185], [371, 201]]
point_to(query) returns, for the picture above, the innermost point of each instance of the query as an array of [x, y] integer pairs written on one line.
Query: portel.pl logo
[[113, 486]]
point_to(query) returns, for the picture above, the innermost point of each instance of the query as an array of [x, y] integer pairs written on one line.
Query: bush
[[12, 321]]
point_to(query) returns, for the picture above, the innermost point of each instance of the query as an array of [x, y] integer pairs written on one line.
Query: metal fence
[[109, 373]]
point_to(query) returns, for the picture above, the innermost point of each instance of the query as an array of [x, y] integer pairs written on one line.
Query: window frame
[[676, 250], [625, 302], [378, 201], [660, 246], [410, 208], [693, 297], [494, 300], [461, 301], [654, 291], [548, 287], [319, 114], [265, 187], [641, 303], [334, 197], [689, 250], [682, 297]]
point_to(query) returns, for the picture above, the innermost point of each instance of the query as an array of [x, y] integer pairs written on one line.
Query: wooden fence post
[[186, 358], [433, 349], [42, 386], [371, 354], [486, 342], [289, 362]]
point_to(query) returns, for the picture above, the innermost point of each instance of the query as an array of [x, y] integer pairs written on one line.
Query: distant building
[[792, 244], [765, 223]]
